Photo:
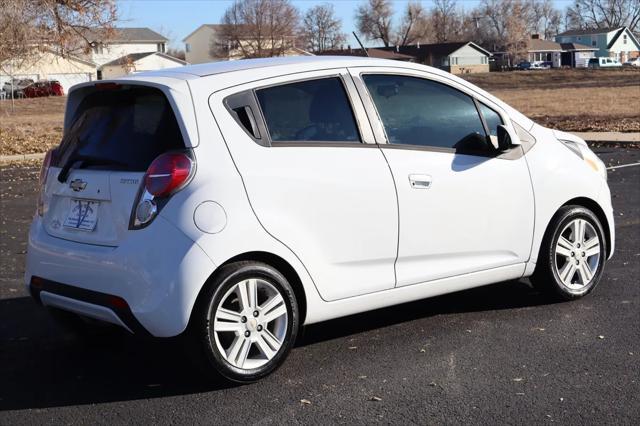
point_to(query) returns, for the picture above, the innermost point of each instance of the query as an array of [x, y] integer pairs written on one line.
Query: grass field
[[572, 100]]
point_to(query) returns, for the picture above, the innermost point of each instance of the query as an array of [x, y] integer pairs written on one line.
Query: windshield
[[126, 127]]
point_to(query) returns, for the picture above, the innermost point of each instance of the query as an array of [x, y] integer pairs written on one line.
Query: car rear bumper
[[148, 284]]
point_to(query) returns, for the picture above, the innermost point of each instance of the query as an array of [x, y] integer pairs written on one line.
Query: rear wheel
[[572, 256], [247, 321]]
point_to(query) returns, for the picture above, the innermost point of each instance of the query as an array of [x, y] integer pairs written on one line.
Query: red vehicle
[[43, 88]]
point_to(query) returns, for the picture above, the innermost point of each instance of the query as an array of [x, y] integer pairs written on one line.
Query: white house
[[619, 43], [127, 50], [138, 62], [573, 55], [123, 51], [49, 65]]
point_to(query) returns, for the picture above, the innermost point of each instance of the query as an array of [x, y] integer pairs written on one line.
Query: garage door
[[68, 80]]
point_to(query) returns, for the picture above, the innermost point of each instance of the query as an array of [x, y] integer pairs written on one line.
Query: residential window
[[593, 43], [160, 47], [187, 47], [421, 112], [624, 39], [309, 111]]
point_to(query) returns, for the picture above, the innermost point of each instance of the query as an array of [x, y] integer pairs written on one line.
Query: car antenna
[[366, 52]]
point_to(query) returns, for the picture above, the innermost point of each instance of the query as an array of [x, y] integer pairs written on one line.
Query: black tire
[[202, 333], [546, 277]]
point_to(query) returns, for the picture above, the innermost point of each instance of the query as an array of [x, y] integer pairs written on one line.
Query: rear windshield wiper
[[86, 160]]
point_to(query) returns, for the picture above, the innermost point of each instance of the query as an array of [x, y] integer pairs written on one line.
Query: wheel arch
[[270, 259]]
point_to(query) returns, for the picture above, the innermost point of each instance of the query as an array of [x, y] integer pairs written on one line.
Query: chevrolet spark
[[232, 203]]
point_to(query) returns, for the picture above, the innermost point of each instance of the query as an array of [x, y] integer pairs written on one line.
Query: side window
[[309, 111], [492, 119], [417, 111]]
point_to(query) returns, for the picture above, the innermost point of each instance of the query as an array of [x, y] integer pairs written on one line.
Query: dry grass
[[34, 126], [557, 79], [573, 100]]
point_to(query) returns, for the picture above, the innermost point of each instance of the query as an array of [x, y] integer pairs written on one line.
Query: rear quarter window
[[308, 111]]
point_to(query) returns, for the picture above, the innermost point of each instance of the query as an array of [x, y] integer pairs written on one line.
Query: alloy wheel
[[250, 323], [577, 254]]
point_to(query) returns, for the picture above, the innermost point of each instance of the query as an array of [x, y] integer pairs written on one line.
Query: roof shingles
[[127, 35]]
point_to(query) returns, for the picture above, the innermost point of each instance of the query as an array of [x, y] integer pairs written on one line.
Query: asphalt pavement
[[496, 354]]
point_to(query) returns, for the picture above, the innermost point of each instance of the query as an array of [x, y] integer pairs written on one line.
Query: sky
[[175, 19]]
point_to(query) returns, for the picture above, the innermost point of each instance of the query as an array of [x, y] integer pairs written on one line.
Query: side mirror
[[504, 138]]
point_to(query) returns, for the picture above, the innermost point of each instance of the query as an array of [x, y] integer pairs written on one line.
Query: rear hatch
[[97, 171]]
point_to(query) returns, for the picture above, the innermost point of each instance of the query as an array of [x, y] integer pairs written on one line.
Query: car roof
[[223, 67]]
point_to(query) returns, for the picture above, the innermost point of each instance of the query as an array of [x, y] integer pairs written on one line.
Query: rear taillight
[[42, 180], [167, 174], [45, 167]]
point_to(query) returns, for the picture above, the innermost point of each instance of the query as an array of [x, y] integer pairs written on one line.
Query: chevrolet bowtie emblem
[[78, 185]]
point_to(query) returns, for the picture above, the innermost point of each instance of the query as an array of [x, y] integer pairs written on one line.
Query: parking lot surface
[[497, 354]]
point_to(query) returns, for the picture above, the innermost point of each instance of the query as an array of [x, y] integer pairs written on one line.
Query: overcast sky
[[178, 18]]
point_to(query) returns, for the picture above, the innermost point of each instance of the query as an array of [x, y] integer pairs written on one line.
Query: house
[[47, 64], [457, 58], [109, 46], [207, 43], [619, 43], [138, 62], [126, 50], [573, 55], [113, 54]]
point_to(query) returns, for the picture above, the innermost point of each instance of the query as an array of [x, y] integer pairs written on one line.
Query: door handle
[[420, 181]]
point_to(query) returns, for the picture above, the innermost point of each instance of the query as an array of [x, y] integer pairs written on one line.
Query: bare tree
[[505, 24], [373, 20], [60, 25], [546, 20], [321, 29], [445, 20], [176, 53], [414, 26], [604, 14], [29, 28], [258, 28]]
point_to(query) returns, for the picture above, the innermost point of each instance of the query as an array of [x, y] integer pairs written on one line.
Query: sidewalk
[[598, 137], [608, 136]]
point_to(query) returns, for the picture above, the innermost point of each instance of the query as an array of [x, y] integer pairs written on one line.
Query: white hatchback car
[[234, 202]]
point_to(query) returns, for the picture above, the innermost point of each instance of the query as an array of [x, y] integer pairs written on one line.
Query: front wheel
[[572, 256], [247, 321]]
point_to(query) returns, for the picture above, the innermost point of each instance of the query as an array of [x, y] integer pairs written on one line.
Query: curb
[[21, 157], [597, 137]]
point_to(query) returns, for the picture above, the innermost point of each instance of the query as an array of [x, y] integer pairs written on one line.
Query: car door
[[315, 177], [463, 207]]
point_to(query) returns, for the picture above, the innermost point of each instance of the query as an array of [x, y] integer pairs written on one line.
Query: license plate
[[83, 215]]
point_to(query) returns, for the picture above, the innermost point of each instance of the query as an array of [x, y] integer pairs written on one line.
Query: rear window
[[123, 129]]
